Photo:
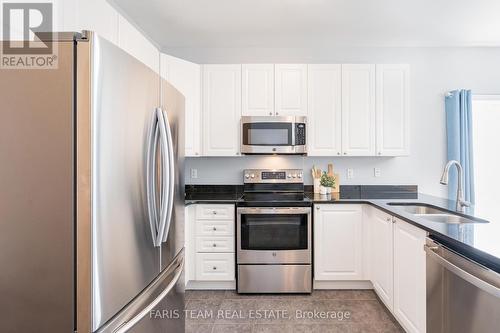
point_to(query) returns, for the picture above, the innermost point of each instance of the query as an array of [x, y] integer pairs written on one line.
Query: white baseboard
[[211, 285], [342, 285]]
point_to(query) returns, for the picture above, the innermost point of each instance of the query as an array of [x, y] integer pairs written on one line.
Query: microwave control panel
[[300, 134]]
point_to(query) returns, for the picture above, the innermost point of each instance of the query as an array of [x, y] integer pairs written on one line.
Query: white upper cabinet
[[290, 90], [338, 242], [257, 90], [221, 109], [381, 254], [393, 104], [185, 76], [324, 87], [409, 277], [358, 110]]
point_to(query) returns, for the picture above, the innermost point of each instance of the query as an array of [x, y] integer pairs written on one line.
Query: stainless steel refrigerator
[[91, 194]]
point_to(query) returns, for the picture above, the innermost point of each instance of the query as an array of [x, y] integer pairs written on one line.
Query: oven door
[[271, 135], [274, 235]]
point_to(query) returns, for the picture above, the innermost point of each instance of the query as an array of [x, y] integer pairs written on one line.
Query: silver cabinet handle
[[345, 153], [215, 229], [214, 268], [171, 176], [270, 113], [214, 212], [214, 245]]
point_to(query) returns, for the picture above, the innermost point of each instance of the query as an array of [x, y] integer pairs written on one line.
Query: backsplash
[[393, 171]]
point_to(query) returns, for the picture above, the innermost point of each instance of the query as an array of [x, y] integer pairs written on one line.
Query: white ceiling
[[314, 23]]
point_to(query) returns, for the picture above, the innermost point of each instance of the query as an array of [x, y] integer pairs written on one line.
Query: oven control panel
[[273, 176]]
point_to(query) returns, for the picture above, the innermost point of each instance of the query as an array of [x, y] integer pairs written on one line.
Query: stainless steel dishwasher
[[462, 295]]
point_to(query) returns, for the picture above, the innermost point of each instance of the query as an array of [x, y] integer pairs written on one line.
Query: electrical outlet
[[194, 173], [376, 172], [350, 173]]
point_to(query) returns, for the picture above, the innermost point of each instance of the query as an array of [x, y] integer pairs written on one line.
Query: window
[[486, 140]]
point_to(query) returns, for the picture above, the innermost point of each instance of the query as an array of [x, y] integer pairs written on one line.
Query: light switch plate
[[376, 172], [350, 173], [194, 173]]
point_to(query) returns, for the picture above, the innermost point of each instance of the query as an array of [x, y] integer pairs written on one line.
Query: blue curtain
[[458, 106]]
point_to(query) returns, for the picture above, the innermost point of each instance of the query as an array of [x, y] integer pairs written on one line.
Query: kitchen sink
[[435, 214]]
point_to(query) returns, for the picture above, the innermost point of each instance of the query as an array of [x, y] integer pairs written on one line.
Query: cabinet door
[[291, 90], [258, 90], [221, 92], [381, 254], [338, 244], [185, 77], [409, 277], [324, 110], [358, 110], [393, 104], [215, 266]]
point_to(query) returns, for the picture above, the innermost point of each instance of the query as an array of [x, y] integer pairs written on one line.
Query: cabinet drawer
[[214, 228], [215, 212], [214, 244], [215, 267]]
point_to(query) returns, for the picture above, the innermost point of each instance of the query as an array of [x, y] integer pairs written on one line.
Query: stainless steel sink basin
[[435, 214]]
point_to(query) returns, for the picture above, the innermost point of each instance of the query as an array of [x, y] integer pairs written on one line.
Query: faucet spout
[[461, 203]]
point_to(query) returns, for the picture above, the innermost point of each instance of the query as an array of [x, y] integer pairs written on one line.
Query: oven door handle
[[259, 210]]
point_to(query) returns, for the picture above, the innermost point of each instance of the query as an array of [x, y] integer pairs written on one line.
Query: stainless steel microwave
[[273, 135]]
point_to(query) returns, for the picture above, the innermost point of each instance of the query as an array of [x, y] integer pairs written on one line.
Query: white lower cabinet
[[338, 242], [409, 277], [214, 266], [381, 254], [394, 259], [210, 244]]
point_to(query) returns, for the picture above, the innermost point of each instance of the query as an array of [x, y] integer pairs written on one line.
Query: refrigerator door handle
[[165, 172], [171, 176], [151, 174]]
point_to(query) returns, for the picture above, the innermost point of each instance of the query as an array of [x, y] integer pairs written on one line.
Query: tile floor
[[345, 311]]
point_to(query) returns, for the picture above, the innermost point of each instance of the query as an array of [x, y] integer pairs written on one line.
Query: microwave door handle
[[164, 174], [151, 151], [293, 134], [171, 175]]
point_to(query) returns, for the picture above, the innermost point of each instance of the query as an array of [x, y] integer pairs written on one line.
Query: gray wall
[[434, 71]]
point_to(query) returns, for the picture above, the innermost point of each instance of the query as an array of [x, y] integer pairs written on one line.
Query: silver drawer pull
[[215, 229], [215, 245], [214, 268], [214, 212]]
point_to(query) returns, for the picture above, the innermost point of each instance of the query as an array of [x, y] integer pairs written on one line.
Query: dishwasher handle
[[466, 269]]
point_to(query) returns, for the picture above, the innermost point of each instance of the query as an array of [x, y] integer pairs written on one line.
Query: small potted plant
[[327, 182]]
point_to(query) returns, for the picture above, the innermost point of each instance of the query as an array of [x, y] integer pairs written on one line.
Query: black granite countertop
[[478, 241]]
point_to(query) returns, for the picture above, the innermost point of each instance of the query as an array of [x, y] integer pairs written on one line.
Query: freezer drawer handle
[[481, 284], [129, 324]]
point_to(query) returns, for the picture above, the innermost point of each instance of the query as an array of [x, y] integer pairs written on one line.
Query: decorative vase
[[328, 190], [322, 189], [317, 185]]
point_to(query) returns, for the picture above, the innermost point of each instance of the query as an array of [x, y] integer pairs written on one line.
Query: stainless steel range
[[274, 247]]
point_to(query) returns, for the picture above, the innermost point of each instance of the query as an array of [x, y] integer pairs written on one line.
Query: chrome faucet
[[461, 203]]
